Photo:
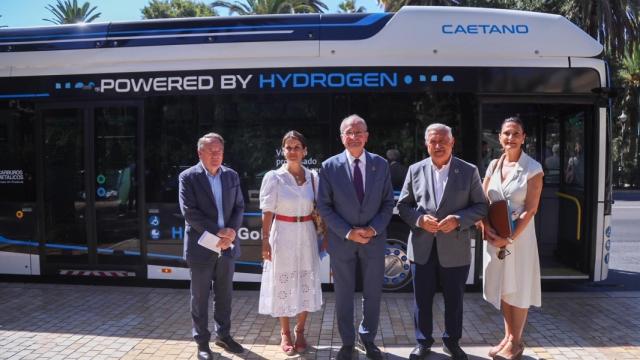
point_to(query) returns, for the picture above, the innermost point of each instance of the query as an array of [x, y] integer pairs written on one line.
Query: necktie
[[357, 180]]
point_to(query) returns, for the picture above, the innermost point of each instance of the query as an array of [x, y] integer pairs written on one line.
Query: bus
[[97, 121]]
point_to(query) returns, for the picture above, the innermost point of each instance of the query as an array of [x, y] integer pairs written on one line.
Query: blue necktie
[[357, 180]]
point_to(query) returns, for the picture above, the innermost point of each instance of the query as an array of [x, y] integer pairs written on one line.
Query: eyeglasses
[[503, 253], [351, 133]]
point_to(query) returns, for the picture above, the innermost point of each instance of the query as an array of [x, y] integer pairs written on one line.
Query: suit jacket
[[339, 206], [463, 197], [200, 212]]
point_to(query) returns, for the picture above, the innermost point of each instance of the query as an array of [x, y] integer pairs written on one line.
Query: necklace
[[300, 178]]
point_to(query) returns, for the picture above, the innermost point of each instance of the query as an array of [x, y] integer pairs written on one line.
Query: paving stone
[[52, 321]]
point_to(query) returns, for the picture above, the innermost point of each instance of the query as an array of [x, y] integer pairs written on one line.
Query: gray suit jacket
[[200, 213], [339, 206], [463, 197]]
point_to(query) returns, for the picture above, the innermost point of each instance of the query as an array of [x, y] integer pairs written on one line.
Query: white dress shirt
[[440, 178]]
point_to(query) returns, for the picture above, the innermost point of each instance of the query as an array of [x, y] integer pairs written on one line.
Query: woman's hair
[[296, 136], [514, 119]]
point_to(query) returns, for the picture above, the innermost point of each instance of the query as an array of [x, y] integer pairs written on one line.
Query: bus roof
[[428, 33]]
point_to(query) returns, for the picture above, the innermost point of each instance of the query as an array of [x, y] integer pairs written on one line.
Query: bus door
[[556, 138], [89, 190]]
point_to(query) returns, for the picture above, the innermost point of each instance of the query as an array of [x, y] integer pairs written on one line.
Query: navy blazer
[[200, 213], [339, 206]]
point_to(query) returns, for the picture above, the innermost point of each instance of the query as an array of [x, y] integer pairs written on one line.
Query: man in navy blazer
[[441, 200], [355, 199], [211, 201]]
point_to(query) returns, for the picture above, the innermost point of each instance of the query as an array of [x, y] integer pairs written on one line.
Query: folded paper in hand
[[500, 218], [210, 241]]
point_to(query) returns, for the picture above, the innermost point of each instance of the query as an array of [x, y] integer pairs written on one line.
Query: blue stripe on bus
[[333, 29], [21, 96], [4, 240], [17, 242], [367, 20]]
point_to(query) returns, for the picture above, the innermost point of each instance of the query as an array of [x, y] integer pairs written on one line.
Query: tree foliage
[[68, 12], [349, 6], [256, 7], [162, 9]]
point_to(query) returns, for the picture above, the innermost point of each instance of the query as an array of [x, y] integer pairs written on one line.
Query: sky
[[16, 13]]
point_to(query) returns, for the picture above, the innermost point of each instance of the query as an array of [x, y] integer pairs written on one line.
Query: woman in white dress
[[290, 276], [511, 282]]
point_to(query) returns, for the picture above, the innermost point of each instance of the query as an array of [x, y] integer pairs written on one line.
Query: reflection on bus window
[[574, 151], [575, 167], [552, 165]]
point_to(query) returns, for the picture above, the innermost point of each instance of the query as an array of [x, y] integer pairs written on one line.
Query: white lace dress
[[291, 280], [516, 279]]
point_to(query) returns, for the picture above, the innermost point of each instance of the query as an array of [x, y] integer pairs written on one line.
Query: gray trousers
[[205, 276], [344, 276]]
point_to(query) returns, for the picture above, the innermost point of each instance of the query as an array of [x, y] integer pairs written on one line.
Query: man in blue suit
[[211, 202], [355, 199], [441, 200]]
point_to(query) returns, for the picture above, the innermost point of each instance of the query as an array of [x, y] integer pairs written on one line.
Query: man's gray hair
[[438, 127], [208, 137], [354, 118]]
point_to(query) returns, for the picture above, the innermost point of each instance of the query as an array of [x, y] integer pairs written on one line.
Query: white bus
[[97, 121]]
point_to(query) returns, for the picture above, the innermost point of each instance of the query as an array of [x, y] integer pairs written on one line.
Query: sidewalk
[[52, 321]]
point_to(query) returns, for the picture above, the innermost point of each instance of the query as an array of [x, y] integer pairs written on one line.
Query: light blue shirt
[[216, 186]]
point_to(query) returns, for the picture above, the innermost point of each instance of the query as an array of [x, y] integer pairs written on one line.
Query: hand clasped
[[431, 224]]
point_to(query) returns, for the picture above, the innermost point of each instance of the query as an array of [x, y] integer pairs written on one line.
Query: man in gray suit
[[355, 199], [211, 202], [441, 200]]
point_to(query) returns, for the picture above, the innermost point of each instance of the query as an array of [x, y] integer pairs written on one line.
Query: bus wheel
[[397, 269]]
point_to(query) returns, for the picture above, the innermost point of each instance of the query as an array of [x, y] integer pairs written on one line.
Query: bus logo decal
[[477, 29]]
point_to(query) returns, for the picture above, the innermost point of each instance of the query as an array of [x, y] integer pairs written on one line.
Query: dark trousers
[[204, 276], [425, 280], [344, 276]]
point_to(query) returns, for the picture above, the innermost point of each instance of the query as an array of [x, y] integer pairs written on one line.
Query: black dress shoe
[[372, 350], [345, 353], [455, 351], [229, 345], [204, 352], [419, 352]]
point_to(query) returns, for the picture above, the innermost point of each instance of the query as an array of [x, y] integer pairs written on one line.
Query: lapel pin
[[456, 171], [373, 168]]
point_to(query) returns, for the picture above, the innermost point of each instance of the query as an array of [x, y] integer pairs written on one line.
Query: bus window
[[252, 126], [17, 184]]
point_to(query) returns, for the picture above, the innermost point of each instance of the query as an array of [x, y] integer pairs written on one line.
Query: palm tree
[[349, 6], [613, 23], [255, 7], [163, 9], [68, 12], [627, 140], [395, 5]]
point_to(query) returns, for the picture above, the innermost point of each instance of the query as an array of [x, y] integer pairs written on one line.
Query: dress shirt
[[362, 165], [216, 188], [440, 178]]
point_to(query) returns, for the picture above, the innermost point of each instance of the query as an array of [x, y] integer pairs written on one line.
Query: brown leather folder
[[499, 218]]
